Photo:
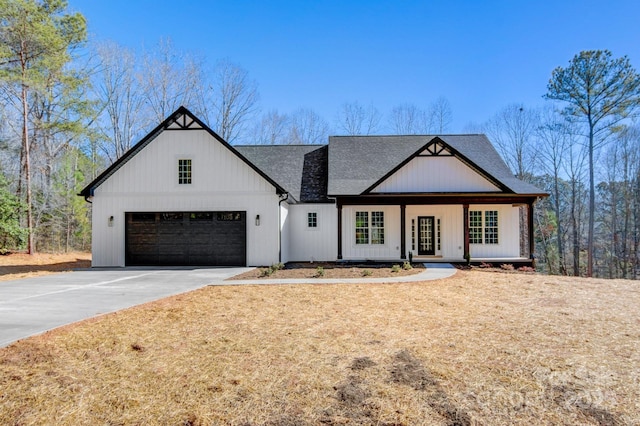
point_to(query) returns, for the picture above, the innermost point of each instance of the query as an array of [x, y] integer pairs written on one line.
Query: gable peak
[[436, 147], [182, 119]]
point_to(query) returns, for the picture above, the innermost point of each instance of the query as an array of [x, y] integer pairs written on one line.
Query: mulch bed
[[299, 270]]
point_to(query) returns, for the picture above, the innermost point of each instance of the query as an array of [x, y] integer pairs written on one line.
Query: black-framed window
[[370, 227], [377, 227], [491, 227], [413, 235], [184, 171], [362, 227], [483, 228], [312, 220], [475, 227]]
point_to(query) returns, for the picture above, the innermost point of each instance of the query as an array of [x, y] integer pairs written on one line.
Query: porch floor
[[516, 261]]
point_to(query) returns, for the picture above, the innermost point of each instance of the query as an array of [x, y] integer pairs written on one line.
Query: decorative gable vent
[[182, 122], [436, 149]]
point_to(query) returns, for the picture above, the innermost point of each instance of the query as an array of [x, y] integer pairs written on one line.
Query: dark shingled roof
[[358, 163], [349, 165], [300, 169]]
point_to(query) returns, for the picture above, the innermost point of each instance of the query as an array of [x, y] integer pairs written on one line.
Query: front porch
[[470, 229]]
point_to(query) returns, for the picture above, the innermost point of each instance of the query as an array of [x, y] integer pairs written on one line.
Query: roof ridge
[[410, 135], [280, 145]]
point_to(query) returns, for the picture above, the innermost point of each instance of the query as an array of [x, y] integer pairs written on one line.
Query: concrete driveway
[[34, 305]]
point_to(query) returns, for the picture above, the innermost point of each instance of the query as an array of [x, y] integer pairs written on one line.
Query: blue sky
[[480, 55]]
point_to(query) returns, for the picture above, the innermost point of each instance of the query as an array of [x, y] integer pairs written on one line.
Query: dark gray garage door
[[186, 238]]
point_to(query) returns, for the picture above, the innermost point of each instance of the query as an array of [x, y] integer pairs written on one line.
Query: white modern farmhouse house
[[184, 196]]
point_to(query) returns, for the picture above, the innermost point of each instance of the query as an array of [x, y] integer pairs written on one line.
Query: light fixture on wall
[[257, 220], [110, 221]]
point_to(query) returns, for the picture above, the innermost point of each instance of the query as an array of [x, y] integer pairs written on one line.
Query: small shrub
[[507, 267], [266, 272], [395, 268], [485, 265], [407, 266], [319, 271], [526, 269], [277, 266], [366, 273]]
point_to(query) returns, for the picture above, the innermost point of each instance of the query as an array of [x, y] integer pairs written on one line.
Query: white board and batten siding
[[435, 174], [451, 230], [148, 182], [390, 250], [508, 233], [317, 244]]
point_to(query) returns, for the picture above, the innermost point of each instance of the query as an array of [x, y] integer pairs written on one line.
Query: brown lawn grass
[[477, 348], [19, 265]]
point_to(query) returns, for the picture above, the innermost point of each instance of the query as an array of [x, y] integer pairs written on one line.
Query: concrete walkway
[[32, 306]]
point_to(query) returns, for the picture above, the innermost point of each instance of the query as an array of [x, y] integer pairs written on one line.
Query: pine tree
[[35, 42]]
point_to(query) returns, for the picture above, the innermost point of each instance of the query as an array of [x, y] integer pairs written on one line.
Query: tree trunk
[[592, 204], [561, 263], [576, 230], [27, 169]]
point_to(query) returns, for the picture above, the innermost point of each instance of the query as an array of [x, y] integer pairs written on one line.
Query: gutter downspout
[[285, 198]]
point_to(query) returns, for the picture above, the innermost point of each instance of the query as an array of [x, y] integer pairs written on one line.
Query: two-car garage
[[186, 238]]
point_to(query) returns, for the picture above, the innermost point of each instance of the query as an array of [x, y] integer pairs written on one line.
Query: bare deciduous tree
[[618, 196], [556, 136], [408, 119], [513, 130], [233, 97], [307, 127], [356, 119], [441, 115], [272, 129], [120, 98], [169, 80]]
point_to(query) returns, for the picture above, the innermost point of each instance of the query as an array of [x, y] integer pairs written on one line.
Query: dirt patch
[[408, 370], [354, 404], [572, 395], [19, 265], [351, 392], [332, 270], [362, 363], [602, 417]]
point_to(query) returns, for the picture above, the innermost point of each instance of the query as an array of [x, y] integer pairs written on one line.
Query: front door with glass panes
[[426, 236]]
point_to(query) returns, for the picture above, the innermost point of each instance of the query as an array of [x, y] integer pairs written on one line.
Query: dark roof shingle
[[300, 169], [356, 163]]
